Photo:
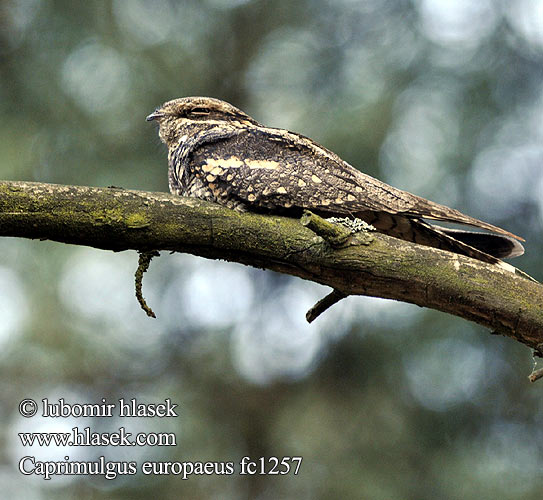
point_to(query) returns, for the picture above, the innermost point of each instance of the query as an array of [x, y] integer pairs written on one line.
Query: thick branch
[[117, 219]]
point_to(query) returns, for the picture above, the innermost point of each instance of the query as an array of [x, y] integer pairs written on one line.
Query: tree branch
[[380, 266]]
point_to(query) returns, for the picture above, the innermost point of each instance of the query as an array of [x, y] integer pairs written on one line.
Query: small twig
[[335, 234], [535, 375], [323, 304], [143, 264]]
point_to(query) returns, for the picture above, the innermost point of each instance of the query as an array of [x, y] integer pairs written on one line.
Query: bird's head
[[187, 115]]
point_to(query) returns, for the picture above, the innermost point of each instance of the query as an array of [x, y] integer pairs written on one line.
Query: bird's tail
[[482, 246], [437, 237], [430, 210], [493, 244]]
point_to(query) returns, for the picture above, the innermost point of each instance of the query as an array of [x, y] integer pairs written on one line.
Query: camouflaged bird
[[217, 152]]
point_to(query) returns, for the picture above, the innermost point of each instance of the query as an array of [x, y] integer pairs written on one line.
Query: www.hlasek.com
[[29, 465], [85, 437]]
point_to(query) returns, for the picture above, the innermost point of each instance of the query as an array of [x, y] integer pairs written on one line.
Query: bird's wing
[[272, 168], [268, 167]]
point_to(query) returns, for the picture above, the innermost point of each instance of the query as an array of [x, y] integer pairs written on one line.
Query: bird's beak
[[154, 115]]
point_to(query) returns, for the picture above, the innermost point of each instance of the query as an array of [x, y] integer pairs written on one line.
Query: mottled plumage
[[217, 152]]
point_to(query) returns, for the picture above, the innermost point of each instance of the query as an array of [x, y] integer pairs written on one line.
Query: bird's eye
[[199, 111]]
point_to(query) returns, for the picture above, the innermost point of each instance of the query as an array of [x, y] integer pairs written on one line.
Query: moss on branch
[[118, 219]]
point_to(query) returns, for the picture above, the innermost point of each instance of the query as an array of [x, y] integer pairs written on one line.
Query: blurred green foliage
[[383, 400]]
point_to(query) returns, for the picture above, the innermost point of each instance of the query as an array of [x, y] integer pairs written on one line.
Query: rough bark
[[368, 264]]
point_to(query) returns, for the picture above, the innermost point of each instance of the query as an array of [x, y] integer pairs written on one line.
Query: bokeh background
[[383, 400]]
